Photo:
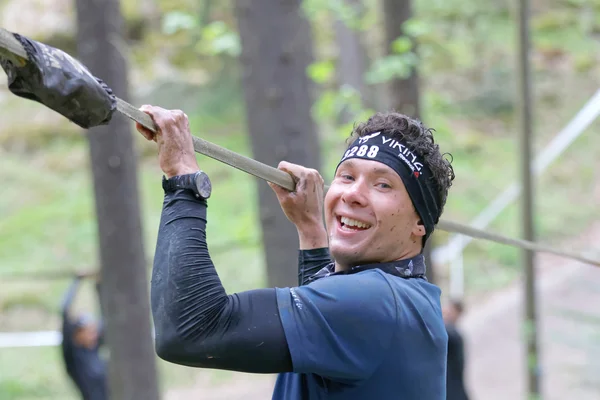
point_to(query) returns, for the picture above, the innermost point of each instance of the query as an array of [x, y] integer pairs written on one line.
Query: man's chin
[[347, 258]]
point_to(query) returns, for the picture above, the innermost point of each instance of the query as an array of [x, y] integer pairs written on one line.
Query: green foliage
[[29, 300], [353, 17], [390, 67], [402, 59], [321, 72], [416, 28], [34, 374], [333, 104], [401, 45], [215, 38], [218, 39], [176, 21]]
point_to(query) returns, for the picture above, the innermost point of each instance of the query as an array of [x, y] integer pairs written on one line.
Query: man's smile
[[348, 224]]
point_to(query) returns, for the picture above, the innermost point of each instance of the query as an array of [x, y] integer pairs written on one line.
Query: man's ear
[[418, 228]]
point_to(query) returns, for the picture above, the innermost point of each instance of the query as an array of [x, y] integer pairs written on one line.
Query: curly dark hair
[[419, 139]]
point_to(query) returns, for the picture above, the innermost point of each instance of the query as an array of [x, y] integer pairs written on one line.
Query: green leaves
[[416, 28], [214, 39], [176, 21], [342, 10], [321, 71], [217, 38], [390, 67], [400, 63]]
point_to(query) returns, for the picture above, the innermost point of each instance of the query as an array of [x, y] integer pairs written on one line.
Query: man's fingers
[[147, 133], [281, 189], [283, 195], [296, 171], [305, 178], [179, 116], [284, 165], [301, 172], [160, 116], [152, 112], [276, 188], [314, 176]]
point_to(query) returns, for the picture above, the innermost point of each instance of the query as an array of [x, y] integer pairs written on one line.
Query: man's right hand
[[304, 206], [176, 154]]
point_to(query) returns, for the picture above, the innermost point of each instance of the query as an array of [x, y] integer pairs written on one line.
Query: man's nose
[[355, 194]]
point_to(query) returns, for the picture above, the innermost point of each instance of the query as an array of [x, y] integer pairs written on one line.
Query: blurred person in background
[[455, 389], [82, 337]]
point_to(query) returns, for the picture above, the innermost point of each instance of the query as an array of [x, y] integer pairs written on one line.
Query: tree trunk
[[352, 59], [404, 93], [132, 365], [276, 50]]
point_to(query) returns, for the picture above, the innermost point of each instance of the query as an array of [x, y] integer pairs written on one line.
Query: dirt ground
[[569, 316], [568, 298], [244, 387]]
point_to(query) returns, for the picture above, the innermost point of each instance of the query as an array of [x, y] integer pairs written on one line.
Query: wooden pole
[[527, 208]]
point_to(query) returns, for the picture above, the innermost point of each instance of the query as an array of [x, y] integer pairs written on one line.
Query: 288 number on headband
[[361, 151]]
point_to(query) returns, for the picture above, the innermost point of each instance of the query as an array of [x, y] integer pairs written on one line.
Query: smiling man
[[364, 324]]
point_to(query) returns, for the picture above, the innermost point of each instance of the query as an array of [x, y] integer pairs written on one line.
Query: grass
[[47, 382]]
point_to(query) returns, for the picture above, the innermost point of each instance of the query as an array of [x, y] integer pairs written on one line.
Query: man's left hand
[[304, 206], [175, 146]]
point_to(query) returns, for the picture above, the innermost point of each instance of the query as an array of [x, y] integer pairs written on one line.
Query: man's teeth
[[353, 222]]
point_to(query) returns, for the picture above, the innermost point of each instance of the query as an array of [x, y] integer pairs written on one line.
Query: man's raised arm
[[304, 208], [197, 323]]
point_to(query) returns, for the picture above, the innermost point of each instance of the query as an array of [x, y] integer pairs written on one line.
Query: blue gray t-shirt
[[367, 335]]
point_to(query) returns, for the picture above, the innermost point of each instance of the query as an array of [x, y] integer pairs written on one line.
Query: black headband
[[415, 175]]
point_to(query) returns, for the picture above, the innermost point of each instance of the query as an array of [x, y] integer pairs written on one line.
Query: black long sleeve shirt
[[456, 365], [311, 262], [84, 366], [197, 323]]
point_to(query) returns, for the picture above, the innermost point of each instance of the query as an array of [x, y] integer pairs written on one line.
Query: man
[[80, 348], [368, 325], [456, 352]]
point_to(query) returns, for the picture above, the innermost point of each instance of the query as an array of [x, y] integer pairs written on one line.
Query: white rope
[[30, 339]]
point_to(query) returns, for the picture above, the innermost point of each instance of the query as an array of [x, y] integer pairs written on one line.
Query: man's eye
[[384, 185], [347, 177]]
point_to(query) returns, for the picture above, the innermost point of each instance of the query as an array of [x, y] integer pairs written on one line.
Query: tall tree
[[124, 297], [276, 51], [404, 93], [352, 57]]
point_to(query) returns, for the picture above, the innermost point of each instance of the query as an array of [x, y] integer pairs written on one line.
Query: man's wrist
[[312, 237], [196, 182], [183, 166], [181, 171]]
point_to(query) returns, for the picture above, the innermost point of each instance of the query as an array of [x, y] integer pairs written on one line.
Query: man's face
[[87, 336], [450, 314], [369, 215]]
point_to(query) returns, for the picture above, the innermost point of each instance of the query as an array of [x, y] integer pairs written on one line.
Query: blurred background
[[286, 80]]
